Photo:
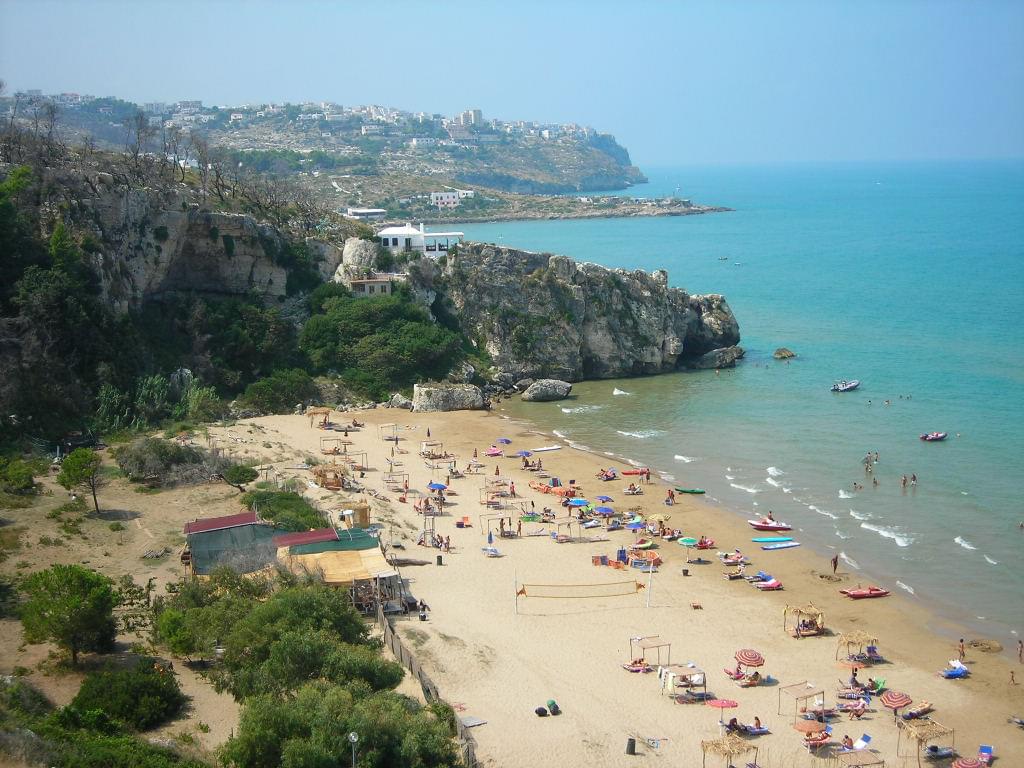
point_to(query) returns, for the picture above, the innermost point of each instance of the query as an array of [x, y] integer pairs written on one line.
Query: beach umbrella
[[850, 664], [523, 454], [503, 440], [809, 726], [428, 431], [604, 510], [748, 657], [490, 538], [722, 703], [635, 526], [436, 486], [578, 502], [688, 542], [659, 518], [605, 498], [895, 700], [967, 762]]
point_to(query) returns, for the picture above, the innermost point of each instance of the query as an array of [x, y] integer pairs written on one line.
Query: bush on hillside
[[288, 511], [161, 462], [142, 696], [280, 391], [17, 475]]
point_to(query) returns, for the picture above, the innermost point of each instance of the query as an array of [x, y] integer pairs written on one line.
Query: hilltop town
[[377, 162]]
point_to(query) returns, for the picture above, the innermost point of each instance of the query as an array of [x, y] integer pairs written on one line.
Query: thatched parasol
[[854, 637], [728, 746], [921, 731], [801, 612]]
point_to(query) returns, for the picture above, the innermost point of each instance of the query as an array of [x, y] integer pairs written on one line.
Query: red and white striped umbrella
[[895, 699], [749, 658], [967, 762], [723, 703]]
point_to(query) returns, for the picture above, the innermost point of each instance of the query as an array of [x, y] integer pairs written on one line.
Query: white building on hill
[[410, 238]]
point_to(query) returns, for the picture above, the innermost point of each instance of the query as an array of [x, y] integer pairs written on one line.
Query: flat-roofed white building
[[444, 199], [366, 214], [410, 238]]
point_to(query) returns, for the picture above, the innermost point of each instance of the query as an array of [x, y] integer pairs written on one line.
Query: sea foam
[[845, 494], [773, 482], [642, 434], [902, 540], [746, 488], [775, 471], [824, 512], [990, 561], [906, 587], [684, 459], [859, 515], [849, 560], [582, 409], [964, 543], [619, 392]]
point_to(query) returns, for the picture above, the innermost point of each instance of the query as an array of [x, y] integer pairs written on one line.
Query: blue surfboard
[[781, 545], [771, 539]]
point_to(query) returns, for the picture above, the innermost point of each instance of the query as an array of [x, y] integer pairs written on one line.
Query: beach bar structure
[[799, 693], [800, 614], [322, 416], [639, 646], [329, 476], [242, 542], [919, 733]]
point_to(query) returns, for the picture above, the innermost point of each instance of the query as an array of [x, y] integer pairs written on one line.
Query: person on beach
[[961, 651], [512, 489], [874, 482], [771, 516], [497, 470], [447, 543], [1020, 648], [913, 479], [903, 481], [835, 564], [847, 742], [670, 498], [519, 528], [876, 457]]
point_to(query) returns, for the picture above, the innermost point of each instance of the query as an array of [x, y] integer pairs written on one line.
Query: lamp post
[[353, 738]]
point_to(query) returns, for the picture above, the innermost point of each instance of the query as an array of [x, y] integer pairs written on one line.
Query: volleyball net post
[[591, 590]]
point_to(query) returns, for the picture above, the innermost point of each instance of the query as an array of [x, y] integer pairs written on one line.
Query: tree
[[82, 469], [238, 475], [72, 606]]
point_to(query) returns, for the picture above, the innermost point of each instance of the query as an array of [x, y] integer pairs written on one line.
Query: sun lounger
[[491, 551], [645, 667], [985, 754], [750, 730], [769, 586], [920, 709], [956, 673], [732, 575], [759, 576], [812, 742], [872, 654], [935, 752], [733, 674], [859, 744], [1015, 720]]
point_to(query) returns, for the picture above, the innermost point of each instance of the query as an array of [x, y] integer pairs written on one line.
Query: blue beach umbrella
[[635, 526], [523, 454], [503, 440], [604, 510], [436, 486], [605, 498], [490, 538], [578, 502]]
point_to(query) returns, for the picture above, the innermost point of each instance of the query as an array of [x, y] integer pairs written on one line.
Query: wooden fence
[[467, 744]]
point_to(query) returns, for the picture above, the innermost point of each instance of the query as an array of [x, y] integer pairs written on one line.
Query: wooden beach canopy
[[329, 475], [799, 692], [319, 411], [859, 758], [854, 637], [728, 747], [921, 732], [801, 612], [649, 643]]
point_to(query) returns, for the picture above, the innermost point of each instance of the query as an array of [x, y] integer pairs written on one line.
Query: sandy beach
[[499, 665], [493, 663]]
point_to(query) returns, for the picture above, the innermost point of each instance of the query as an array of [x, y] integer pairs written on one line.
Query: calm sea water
[[909, 277]]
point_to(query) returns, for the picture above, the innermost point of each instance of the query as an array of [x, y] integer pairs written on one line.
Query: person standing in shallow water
[[835, 564]]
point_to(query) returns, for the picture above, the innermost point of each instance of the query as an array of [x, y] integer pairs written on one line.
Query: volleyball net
[[578, 591]]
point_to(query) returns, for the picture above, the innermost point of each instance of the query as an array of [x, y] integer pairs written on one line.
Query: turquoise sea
[[909, 277]]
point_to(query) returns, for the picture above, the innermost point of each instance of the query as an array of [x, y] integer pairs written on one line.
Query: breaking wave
[[582, 409], [684, 459], [845, 494], [619, 392], [964, 543], [746, 488], [775, 471], [642, 434], [907, 587], [902, 540]]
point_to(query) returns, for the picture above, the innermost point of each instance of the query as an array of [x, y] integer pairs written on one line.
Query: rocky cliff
[[541, 315], [150, 240]]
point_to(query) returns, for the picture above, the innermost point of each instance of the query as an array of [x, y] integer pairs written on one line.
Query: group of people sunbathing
[[633, 490], [735, 726], [533, 466], [607, 474]]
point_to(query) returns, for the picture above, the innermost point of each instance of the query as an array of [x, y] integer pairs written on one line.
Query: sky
[[677, 83]]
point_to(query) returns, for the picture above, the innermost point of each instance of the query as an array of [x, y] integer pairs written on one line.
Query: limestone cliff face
[[540, 315], [151, 241]]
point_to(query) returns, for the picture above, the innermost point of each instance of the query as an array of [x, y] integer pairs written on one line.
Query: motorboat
[[845, 386], [934, 437], [860, 593], [697, 491], [764, 524]]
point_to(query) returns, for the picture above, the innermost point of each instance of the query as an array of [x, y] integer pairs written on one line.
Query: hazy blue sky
[[676, 83]]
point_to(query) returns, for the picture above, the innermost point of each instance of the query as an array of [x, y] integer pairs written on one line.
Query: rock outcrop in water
[[546, 390], [538, 315]]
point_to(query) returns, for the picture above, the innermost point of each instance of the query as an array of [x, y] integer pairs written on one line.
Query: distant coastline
[[624, 212]]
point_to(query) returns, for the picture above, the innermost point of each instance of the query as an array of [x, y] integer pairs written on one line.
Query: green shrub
[[16, 476], [203, 404], [160, 462], [279, 392], [160, 233], [142, 696], [288, 511]]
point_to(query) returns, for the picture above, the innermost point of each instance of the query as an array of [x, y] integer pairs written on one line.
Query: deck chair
[[879, 687], [985, 754], [823, 738], [859, 744]]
